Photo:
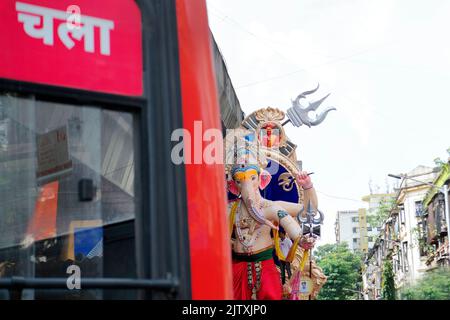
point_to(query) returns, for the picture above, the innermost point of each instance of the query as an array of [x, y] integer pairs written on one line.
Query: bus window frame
[[161, 236]]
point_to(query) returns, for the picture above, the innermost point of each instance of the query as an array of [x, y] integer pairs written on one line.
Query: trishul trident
[[311, 223], [298, 113]]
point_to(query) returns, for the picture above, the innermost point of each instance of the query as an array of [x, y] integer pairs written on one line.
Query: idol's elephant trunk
[[248, 193]]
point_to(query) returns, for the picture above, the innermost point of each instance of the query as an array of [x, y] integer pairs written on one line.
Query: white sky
[[385, 63]]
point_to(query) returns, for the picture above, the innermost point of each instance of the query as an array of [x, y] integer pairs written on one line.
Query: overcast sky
[[385, 63]]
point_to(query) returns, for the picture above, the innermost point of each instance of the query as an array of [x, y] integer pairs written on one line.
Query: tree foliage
[[380, 214], [434, 285], [424, 246], [388, 282], [343, 269]]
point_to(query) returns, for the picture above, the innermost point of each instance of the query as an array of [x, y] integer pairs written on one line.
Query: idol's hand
[[304, 180], [307, 242]]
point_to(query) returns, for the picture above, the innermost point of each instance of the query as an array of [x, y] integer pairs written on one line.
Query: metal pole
[[311, 234], [444, 189], [310, 266]]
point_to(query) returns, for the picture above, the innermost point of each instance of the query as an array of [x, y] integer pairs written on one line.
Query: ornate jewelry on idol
[[246, 222], [257, 285]]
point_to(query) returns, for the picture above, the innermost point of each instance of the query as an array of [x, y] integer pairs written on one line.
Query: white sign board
[[53, 158], [305, 286]]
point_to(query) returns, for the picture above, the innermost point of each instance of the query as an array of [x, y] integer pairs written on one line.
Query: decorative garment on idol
[[269, 277]]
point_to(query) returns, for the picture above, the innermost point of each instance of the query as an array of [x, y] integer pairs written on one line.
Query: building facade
[[433, 225], [351, 227], [375, 201], [409, 257], [414, 236]]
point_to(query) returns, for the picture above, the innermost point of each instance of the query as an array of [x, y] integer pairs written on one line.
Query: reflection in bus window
[[67, 192]]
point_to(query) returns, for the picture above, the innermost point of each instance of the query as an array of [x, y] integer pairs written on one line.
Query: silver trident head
[[298, 114], [312, 217]]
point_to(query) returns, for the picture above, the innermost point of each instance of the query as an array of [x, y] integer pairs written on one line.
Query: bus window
[[67, 194]]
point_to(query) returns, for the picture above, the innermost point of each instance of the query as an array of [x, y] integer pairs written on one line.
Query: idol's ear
[[232, 187], [264, 179]]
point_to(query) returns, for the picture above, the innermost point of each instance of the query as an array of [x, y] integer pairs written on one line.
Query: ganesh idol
[[254, 222]]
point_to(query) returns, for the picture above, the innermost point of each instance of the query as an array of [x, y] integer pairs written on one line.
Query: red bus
[[91, 204]]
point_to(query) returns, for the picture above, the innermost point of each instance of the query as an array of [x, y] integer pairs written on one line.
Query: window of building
[[402, 216], [355, 230], [399, 261], [67, 192], [355, 219], [75, 186], [405, 256], [424, 235], [420, 229], [369, 228], [439, 214], [370, 239], [419, 208], [397, 226]]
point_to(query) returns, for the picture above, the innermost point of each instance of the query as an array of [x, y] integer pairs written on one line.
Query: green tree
[[434, 285], [343, 269], [388, 283], [381, 213]]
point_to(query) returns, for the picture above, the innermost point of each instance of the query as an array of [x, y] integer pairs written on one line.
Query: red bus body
[[209, 246], [174, 76]]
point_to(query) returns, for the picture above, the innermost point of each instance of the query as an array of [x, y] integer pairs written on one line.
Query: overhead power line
[[340, 198], [225, 18]]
